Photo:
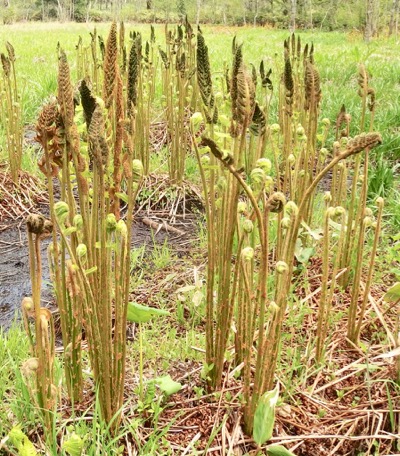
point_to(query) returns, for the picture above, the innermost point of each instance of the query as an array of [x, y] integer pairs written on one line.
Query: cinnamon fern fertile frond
[[65, 91], [203, 70], [258, 122], [133, 75], [245, 102], [110, 66], [236, 65], [312, 87], [88, 100]]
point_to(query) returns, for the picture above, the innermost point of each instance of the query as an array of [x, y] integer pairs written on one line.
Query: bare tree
[[198, 6], [293, 13], [394, 17], [369, 20]]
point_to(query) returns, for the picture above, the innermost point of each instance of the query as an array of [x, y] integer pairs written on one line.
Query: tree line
[[369, 16]]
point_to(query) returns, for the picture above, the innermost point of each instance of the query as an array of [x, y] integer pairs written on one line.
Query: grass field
[[346, 401]]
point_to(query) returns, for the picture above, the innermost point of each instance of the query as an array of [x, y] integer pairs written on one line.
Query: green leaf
[[74, 445], [315, 234], [278, 450], [142, 314], [122, 196], [21, 442], [303, 255], [91, 270], [264, 417], [167, 385], [393, 294], [69, 231]]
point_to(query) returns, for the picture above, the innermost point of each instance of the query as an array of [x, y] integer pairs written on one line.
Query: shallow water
[[15, 281]]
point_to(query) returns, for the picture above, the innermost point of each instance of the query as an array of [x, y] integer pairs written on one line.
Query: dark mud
[[15, 281]]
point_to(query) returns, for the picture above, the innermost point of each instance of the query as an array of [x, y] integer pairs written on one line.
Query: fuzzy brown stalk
[[110, 66]]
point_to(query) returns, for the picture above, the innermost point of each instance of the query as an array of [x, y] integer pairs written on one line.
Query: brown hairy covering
[[65, 92], [5, 62], [50, 135], [110, 66], [245, 103], [361, 142], [10, 51], [289, 85], [88, 100], [97, 139], [312, 87]]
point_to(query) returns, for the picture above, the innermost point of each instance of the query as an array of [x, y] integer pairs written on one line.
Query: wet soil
[[15, 281]]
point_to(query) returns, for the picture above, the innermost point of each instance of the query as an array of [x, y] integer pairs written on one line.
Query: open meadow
[[199, 241]]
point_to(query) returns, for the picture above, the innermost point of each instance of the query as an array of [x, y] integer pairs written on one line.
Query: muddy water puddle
[[15, 281]]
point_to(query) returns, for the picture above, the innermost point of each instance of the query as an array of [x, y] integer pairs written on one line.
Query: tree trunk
[[198, 5], [293, 13], [394, 17], [149, 4], [255, 13], [369, 21]]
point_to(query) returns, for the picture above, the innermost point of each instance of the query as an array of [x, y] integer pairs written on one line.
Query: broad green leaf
[[303, 256], [74, 445], [264, 417], [21, 442], [393, 294], [315, 234], [142, 314], [396, 237], [207, 368], [167, 385], [122, 196], [278, 450]]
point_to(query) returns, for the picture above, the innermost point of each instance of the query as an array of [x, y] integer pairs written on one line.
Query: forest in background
[[371, 17]]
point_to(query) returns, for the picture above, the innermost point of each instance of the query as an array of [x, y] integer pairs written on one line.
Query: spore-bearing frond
[[65, 92], [258, 122], [245, 102], [312, 87], [110, 66], [133, 76], [360, 143], [203, 70], [88, 100]]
